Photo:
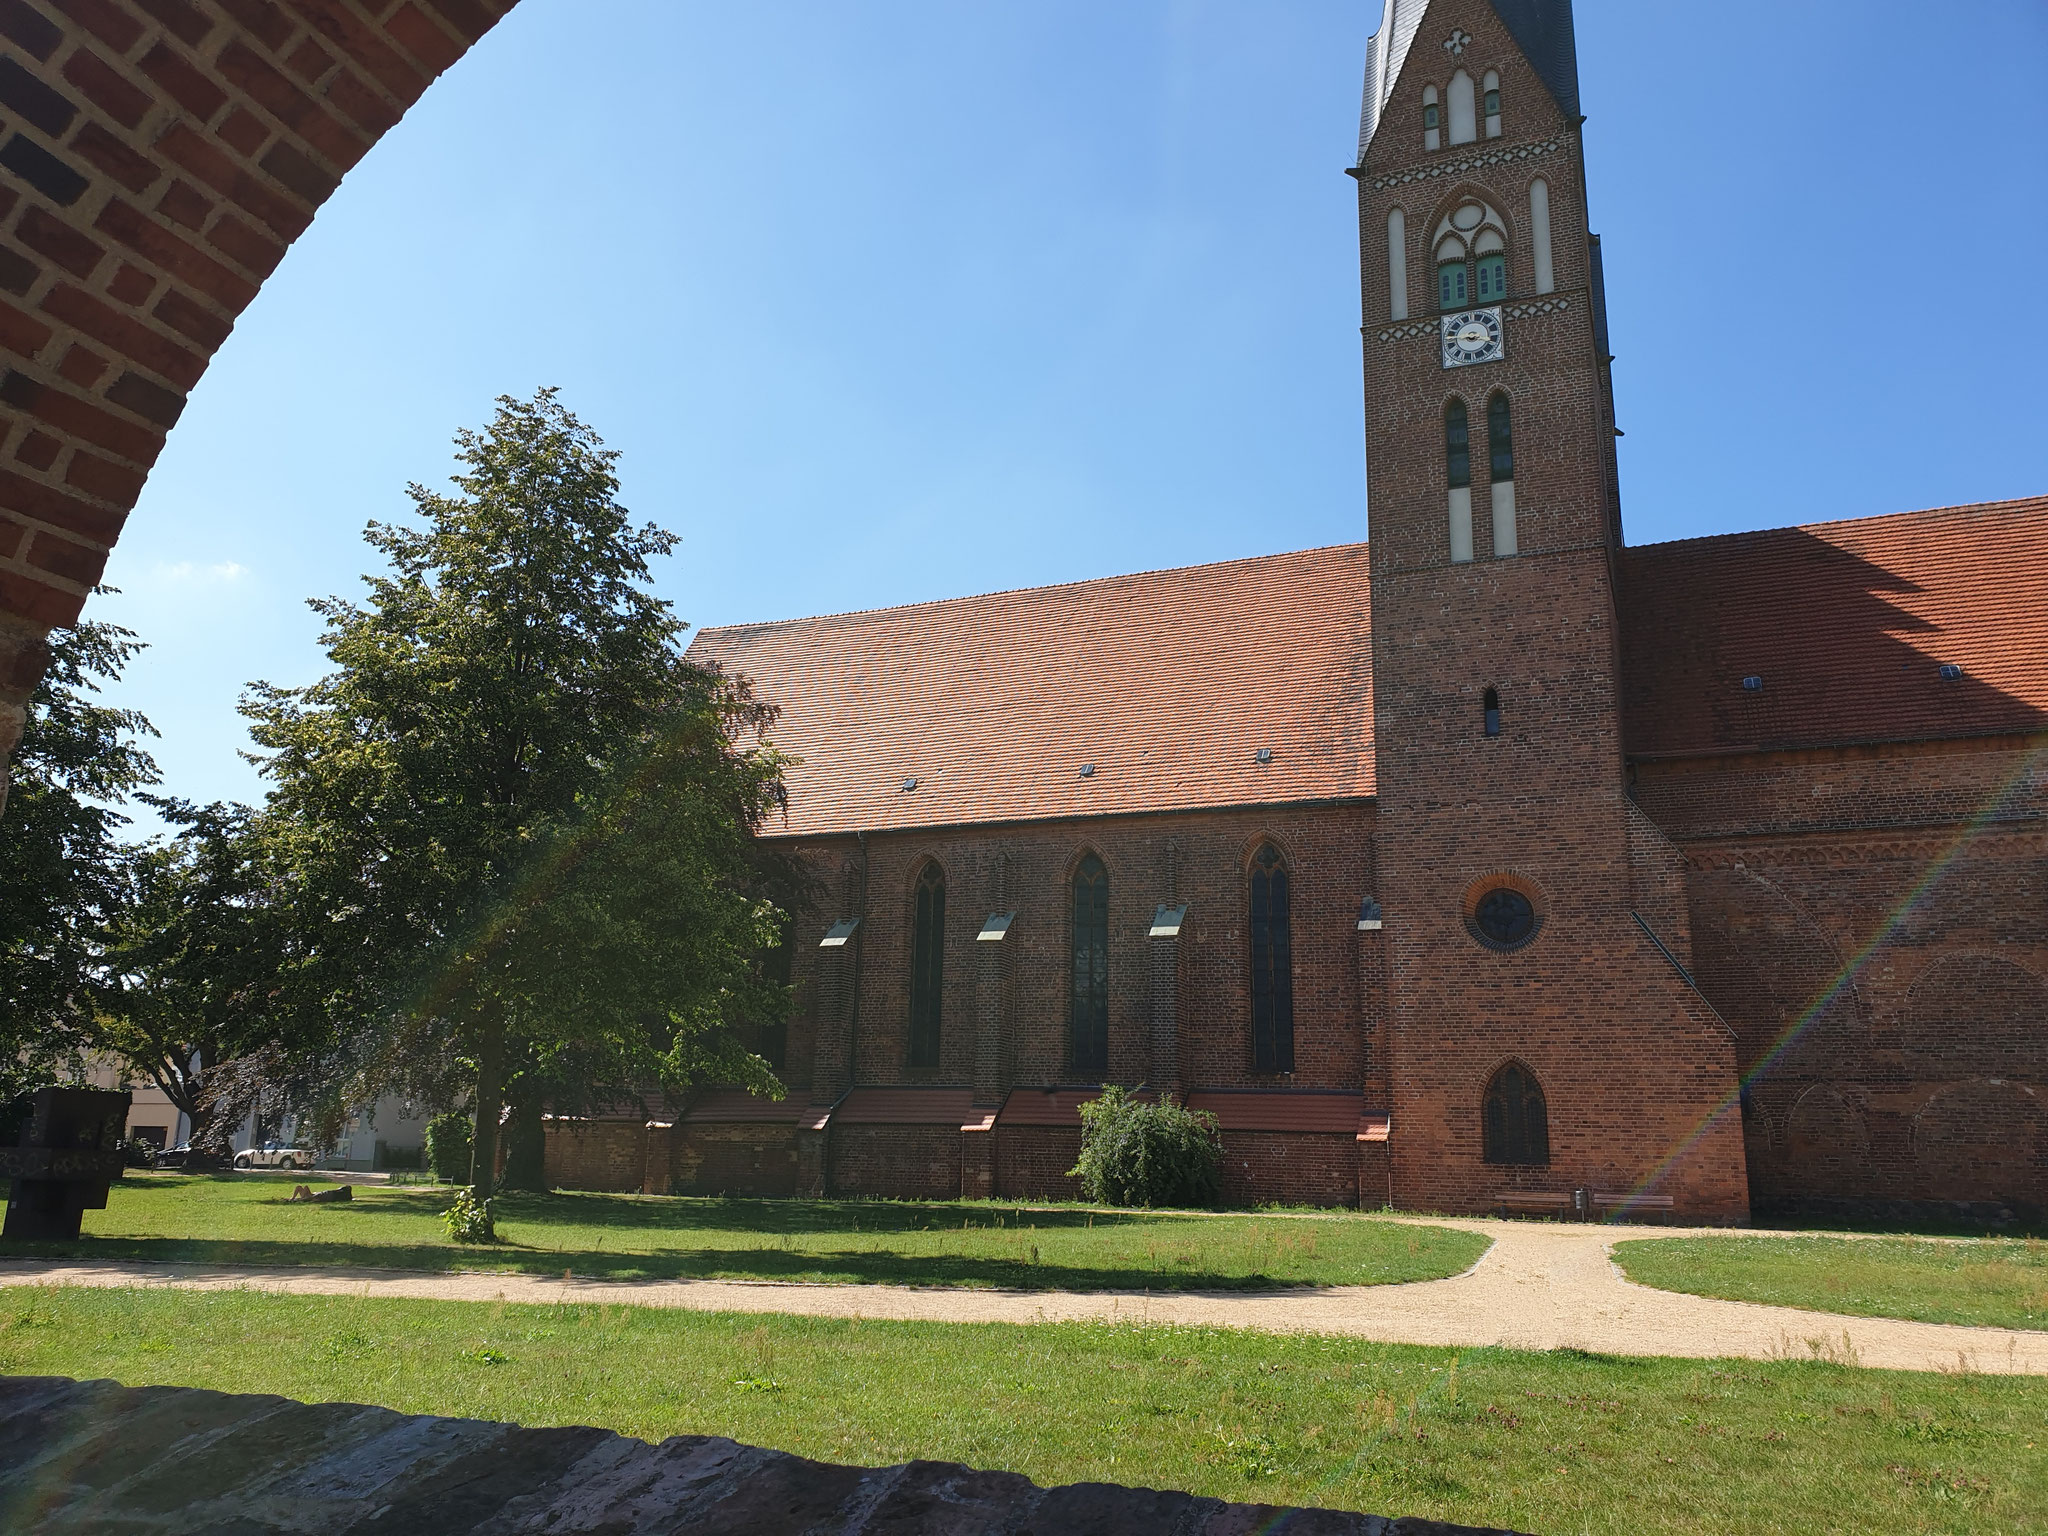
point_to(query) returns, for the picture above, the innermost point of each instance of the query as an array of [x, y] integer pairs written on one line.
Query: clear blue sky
[[900, 300]]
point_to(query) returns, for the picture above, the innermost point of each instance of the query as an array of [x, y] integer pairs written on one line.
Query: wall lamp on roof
[[1950, 672], [1369, 918], [1752, 684], [837, 935], [1264, 755], [995, 927], [1166, 921], [909, 785], [1087, 770]]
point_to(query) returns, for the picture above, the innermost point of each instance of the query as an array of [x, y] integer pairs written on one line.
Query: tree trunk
[[526, 1143], [490, 1090]]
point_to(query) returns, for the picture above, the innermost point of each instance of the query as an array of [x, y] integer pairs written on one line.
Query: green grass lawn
[[1551, 1443], [1992, 1281], [250, 1220]]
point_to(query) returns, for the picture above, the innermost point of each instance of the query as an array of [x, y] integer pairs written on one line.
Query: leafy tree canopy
[[520, 822], [62, 867]]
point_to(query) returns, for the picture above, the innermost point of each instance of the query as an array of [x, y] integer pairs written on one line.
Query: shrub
[[469, 1220], [448, 1148], [1133, 1153]]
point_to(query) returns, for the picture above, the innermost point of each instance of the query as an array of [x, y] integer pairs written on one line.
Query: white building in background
[[390, 1134]]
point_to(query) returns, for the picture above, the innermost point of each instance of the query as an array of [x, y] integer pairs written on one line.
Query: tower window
[[1272, 965], [1539, 234], [1489, 704], [1489, 102], [1471, 257], [1397, 265], [1088, 1009], [1500, 452], [1457, 445], [1491, 285], [927, 967], [1432, 119], [1452, 290], [1515, 1123]]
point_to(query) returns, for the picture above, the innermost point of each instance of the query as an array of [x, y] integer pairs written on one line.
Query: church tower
[[1545, 1041]]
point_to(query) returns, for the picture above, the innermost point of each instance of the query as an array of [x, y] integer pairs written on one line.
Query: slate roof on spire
[[1542, 28]]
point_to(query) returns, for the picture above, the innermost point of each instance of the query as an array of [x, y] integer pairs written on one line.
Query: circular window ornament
[[1501, 913]]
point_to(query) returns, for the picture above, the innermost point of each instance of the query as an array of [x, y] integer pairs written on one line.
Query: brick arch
[[157, 159], [1977, 1014]]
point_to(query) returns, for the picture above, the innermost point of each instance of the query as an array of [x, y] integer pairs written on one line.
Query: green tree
[[524, 820], [192, 956], [61, 862]]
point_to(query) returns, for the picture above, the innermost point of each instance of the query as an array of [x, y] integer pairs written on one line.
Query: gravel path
[[1541, 1286]]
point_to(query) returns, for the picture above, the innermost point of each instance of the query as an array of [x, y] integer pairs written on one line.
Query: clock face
[[1473, 337]]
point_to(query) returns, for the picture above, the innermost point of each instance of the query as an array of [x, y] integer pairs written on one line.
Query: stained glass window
[[927, 967], [1089, 1005], [1505, 917], [1516, 1121], [1272, 965]]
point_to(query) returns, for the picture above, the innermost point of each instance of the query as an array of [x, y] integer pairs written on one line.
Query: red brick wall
[[752, 1160], [1869, 920], [898, 1162], [159, 158], [603, 1155]]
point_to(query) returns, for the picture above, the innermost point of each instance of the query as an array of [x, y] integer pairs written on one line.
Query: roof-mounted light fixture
[[1264, 755], [837, 935], [1087, 770], [1950, 672], [995, 927], [1369, 919], [1752, 684], [909, 785], [1166, 921]]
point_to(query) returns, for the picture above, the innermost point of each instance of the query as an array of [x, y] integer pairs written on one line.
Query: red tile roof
[[905, 1106], [1168, 683], [1282, 1110], [1848, 625], [736, 1106]]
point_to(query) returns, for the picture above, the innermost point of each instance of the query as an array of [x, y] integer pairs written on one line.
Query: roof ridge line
[[2004, 504], [1052, 586]]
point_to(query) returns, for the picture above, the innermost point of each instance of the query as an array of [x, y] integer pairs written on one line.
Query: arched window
[[1397, 265], [1489, 102], [1489, 707], [1539, 234], [1516, 1123], [1464, 118], [1089, 1002], [1432, 120], [1471, 257], [1457, 445], [1272, 965], [927, 967], [1458, 473], [1500, 452]]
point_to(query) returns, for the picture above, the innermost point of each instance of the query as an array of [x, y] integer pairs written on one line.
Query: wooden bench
[[1533, 1203]]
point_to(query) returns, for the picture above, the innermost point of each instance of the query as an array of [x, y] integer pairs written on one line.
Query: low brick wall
[[733, 1159], [1032, 1162], [1290, 1168], [607, 1155], [897, 1162]]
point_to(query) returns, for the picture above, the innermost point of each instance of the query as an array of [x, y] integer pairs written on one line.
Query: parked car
[[274, 1154]]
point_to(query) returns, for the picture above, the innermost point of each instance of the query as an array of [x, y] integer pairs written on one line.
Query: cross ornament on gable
[[1455, 43]]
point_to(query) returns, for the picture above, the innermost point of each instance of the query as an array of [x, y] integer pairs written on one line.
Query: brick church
[[1493, 863]]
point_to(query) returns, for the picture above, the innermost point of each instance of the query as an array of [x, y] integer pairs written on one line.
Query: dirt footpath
[[1541, 1286]]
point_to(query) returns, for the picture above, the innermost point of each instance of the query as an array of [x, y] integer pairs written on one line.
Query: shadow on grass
[[868, 1267]]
